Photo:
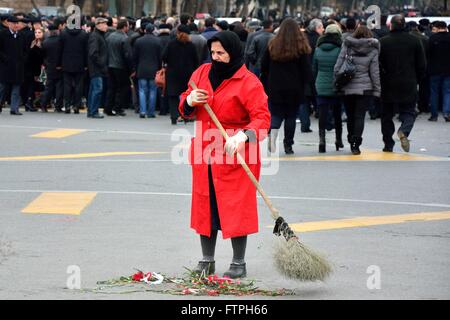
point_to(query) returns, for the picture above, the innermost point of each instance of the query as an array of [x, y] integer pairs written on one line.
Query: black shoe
[[96, 116], [355, 149], [434, 119], [110, 114], [15, 113], [76, 111], [236, 270], [120, 113], [67, 111], [174, 121], [306, 131], [142, 116], [59, 110], [447, 118], [339, 145], [288, 149], [206, 267], [151, 116], [403, 141], [388, 149]]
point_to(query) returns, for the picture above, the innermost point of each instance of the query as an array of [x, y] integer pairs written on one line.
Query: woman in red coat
[[223, 197]]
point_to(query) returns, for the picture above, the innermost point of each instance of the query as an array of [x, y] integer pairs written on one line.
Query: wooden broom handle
[[273, 211]]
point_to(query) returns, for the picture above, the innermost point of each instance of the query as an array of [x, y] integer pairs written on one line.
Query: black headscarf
[[221, 71]]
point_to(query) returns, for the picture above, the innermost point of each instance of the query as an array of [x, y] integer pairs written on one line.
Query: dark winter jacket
[[365, 53], [13, 54], [258, 48], [98, 54], [439, 54], [325, 57], [402, 65], [74, 50], [119, 49], [182, 60], [147, 56], [51, 52], [282, 79]]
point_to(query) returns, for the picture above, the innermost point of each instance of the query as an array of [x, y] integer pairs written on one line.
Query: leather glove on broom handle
[[273, 211]]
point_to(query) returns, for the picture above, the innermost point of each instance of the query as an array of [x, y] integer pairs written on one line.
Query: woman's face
[[218, 53], [38, 34]]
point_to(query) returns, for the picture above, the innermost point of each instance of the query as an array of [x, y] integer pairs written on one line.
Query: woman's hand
[[235, 143], [197, 98]]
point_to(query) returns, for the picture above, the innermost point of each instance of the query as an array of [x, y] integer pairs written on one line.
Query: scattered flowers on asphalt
[[192, 284]]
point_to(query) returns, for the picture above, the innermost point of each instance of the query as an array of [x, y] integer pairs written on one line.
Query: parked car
[[5, 10], [49, 11], [326, 12]]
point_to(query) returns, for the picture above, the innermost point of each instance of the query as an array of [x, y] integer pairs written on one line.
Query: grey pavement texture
[[140, 215]]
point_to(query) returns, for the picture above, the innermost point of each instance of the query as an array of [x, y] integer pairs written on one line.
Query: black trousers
[[424, 95], [407, 115], [73, 89], [356, 107], [174, 102], [53, 89], [118, 90]]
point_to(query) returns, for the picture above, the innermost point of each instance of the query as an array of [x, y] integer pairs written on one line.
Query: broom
[[292, 258]]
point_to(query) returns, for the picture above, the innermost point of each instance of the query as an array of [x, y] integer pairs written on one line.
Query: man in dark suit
[[402, 66], [74, 65], [147, 53], [51, 49], [13, 52]]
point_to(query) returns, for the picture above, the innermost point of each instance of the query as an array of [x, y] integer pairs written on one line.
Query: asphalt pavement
[[112, 195]]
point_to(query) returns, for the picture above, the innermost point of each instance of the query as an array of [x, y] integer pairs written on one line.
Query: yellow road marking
[[366, 155], [78, 156], [60, 203], [58, 133], [368, 221]]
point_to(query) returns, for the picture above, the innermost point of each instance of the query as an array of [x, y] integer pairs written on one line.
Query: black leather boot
[[206, 267], [237, 270], [288, 148], [339, 144], [322, 142]]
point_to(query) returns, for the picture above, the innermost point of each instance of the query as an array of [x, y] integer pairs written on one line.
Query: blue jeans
[[15, 95], [147, 96], [440, 85], [95, 95]]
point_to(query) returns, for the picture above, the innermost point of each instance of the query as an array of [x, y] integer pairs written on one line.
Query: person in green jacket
[[324, 59]]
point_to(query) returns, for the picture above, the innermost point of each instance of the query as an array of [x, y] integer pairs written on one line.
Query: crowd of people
[[144, 65]]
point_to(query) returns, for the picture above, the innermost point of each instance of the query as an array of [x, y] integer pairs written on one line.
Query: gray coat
[[365, 53]]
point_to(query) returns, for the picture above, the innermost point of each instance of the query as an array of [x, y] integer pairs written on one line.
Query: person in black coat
[[147, 57], [285, 71], [181, 59], [51, 53], [402, 65], [74, 65], [439, 70], [13, 54], [98, 67]]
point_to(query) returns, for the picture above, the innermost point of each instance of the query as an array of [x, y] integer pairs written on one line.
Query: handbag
[[160, 78], [346, 73]]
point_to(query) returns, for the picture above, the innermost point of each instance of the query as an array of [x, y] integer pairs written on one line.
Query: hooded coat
[[324, 59], [240, 103], [365, 53]]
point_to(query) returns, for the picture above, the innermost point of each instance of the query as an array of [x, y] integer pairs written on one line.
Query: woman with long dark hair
[[363, 49], [285, 69]]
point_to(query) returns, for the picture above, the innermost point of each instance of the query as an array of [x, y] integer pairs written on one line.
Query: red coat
[[239, 103]]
